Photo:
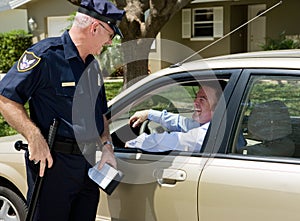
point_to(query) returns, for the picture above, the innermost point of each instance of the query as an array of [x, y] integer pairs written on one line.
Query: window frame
[[178, 78], [189, 23], [223, 147]]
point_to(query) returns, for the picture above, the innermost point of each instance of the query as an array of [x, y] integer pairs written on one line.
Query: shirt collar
[[69, 47]]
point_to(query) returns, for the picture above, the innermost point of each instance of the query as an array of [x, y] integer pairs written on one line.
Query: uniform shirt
[[187, 134], [58, 84]]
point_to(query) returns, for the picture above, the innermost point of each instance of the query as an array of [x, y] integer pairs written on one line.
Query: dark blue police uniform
[[47, 75], [58, 84]]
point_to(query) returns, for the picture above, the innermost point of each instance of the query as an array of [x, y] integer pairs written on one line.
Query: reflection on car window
[[271, 119], [174, 99]]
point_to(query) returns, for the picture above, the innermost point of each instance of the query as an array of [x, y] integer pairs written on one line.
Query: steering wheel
[[157, 102], [144, 127], [150, 127]]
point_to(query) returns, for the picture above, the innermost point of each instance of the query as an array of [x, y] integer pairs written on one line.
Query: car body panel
[[149, 182], [249, 190], [12, 162]]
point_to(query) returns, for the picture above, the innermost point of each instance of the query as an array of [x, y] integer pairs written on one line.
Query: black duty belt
[[66, 145]]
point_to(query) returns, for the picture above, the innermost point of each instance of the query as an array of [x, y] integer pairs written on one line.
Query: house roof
[[11, 4]]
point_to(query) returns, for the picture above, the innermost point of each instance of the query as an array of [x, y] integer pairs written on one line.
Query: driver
[[187, 134]]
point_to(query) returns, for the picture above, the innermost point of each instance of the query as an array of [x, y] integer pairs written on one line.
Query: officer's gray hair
[[82, 21]]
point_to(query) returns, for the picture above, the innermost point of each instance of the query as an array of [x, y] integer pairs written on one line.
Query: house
[[199, 24], [203, 22], [42, 18]]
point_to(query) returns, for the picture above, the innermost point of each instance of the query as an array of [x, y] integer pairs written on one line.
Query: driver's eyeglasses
[[111, 36]]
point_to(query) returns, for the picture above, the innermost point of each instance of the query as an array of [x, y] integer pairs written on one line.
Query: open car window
[[176, 97], [173, 98]]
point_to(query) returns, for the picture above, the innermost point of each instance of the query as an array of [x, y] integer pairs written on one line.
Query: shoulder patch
[[28, 61]]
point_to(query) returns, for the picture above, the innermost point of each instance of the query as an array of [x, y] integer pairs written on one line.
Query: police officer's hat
[[103, 10]]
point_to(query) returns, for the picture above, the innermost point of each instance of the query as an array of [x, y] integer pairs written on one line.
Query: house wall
[[13, 20], [39, 10], [282, 18]]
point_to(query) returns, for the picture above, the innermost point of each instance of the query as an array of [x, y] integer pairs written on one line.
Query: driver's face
[[203, 103]]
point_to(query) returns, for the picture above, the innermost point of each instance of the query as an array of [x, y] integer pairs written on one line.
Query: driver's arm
[[173, 122], [160, 142]]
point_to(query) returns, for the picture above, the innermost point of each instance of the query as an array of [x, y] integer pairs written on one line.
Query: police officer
[[49, 75]]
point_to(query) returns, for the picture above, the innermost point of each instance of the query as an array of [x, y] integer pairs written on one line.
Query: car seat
[[269, 123]]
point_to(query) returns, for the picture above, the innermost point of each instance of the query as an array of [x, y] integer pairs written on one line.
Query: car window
[[270, 122], [176, 98]]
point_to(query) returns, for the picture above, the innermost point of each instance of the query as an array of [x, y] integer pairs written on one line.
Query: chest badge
[[28, 61]]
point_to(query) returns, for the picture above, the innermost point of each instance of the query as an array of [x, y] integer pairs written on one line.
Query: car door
[[260, 180], [157, 186]]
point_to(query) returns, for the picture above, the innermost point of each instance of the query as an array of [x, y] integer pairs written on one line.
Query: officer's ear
[[93, 28]]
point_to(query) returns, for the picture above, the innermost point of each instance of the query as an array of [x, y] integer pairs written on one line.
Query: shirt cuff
[[154, 115]]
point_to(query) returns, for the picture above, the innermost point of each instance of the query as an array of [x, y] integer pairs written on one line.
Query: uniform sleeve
[[19, 84], [190, 141]]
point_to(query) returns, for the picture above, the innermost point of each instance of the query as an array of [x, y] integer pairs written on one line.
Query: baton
[[39, 180]]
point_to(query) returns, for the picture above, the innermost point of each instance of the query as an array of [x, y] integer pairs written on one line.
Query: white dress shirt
[[186, 134]]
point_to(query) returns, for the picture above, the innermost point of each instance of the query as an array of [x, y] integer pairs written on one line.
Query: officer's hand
[[107, 157], [39, 152], [138, 118]]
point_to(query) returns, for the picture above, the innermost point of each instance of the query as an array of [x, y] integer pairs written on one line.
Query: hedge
[[12, 46]]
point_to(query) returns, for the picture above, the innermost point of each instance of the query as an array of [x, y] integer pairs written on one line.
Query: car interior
[[271, 124], [269, 127], [175, 98]]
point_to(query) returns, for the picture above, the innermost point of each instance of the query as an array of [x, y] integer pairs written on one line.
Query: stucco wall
[[13, 20], [285, 18], [41, 9]]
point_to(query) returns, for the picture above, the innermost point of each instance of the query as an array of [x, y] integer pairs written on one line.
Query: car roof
[[280, 59], [262, 59]]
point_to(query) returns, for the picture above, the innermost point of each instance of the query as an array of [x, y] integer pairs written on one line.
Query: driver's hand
[[138, 118]]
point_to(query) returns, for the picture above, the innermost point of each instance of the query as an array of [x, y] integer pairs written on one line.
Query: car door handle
[[169, 177]]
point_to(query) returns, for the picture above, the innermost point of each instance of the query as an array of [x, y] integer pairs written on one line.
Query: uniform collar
[[69, 47]]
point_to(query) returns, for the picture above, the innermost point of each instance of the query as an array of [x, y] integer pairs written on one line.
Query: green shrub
[[12, 46], [283, 42]]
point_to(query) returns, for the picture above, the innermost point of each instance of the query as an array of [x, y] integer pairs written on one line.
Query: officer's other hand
[[39, 152], [107, 157], [138, 117]]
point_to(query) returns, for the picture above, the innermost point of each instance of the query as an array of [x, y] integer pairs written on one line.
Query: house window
[[202, 23]]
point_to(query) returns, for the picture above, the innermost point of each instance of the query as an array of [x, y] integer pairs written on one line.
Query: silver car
[[259, 180]]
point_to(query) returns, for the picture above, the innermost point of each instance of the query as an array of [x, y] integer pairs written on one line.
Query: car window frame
[[181, 77], [236, 110]]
